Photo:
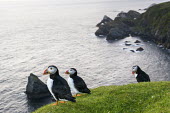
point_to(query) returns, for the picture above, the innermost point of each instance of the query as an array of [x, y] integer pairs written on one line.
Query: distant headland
[[154, 24]]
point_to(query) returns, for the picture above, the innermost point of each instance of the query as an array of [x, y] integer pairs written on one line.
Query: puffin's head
[[51, 70], [135, 69], [71, 71]]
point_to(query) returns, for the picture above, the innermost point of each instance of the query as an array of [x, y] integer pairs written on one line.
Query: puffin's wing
[[81, 85], [61, 89], [145, 76]]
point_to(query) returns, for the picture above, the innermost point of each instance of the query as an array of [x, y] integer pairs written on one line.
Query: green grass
[[153, 97]]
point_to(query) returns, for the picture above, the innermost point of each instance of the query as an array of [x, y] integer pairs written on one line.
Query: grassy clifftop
[[155, 22], [153, 97]]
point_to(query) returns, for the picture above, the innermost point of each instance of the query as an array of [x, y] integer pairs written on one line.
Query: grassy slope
[[153, 97]]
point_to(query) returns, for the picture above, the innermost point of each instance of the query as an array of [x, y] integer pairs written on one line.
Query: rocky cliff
[[154, 25]]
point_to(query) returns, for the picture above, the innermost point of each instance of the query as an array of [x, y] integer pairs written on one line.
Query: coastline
[[143, 25]]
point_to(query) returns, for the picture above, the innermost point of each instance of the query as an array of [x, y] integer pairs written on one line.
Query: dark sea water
[[37, 33]]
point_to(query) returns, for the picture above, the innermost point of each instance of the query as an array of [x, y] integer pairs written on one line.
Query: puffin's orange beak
[[45, 72], [67, 72], [133, 72]]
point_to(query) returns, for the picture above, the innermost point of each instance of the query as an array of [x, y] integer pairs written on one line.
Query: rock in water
[[128, 44], [132, 51], [139, 49], [35, 88], [137, 41]]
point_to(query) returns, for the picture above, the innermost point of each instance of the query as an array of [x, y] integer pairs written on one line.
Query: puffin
[[58, 86], [76, 83], [140, 75]]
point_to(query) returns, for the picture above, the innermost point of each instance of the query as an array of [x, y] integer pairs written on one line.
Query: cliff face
[[154, 24]]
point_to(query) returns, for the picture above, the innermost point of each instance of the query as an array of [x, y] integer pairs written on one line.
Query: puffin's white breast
[[72, 87], [50, 85]]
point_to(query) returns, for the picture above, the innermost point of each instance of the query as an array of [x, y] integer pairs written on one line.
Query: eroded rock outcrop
[[130, 14], [35, 88], [118, 28], [104, 21]]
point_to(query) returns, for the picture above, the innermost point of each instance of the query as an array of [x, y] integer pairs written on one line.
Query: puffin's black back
[[61, 89], [80, 85], [142, 76]]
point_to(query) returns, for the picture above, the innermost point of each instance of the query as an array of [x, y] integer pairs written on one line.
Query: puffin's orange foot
[[62, 101], [55, 104], [78, 95]]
